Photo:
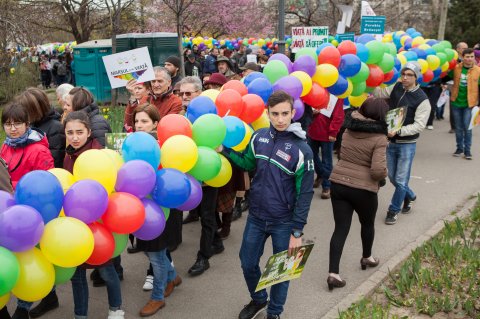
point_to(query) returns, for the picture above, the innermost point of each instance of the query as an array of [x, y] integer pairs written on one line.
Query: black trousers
[[4, 313], [345, 200], [206, 210]]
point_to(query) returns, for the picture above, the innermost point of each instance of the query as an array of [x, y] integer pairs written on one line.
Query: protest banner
[[308, 37], [395, 118]]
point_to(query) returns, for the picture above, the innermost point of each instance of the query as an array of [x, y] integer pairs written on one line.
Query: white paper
[[252, 58], [330, 107], [133, 64], [475, 121], [308, 37], [367, 9]]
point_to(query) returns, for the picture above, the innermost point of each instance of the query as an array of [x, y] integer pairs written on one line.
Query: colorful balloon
[[199, 106], [137, 178], [318, 97], [244, 143], [195, 197], [121, 241], [350, 65], [229, 102], [171, 125], [236, 86], [261, 87], [375, 78], [326, 75], [97, 165], [223, 177], [299, 108], [284, 59], [253, 107], [376, 50], [275, 70], [235, 129], [139, 146], [306, 64], [172, 188], [86, 200], [211, 94], [21, 228], [306, 81], [62, 275], [125, 213], [207, 166], [347, 47], [104, 244], [9, 272], [114, 156], [261, 122], [65, 178], [154, 224], [208, 130], [289, 84], [179, 152]]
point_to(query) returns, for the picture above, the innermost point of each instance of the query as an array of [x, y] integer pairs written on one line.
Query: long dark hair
[[374, 108]]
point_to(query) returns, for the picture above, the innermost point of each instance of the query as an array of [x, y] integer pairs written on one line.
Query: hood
[[52, 115], [35, 136], [356, 122], [296, 128], [91, 109]]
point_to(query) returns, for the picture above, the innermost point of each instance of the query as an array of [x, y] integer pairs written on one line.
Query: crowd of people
[[274, 178]]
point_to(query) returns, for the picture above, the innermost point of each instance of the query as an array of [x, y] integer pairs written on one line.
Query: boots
[[237, 209], [48, 303], [226, 222]]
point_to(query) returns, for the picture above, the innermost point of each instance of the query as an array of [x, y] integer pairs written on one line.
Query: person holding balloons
[[280, 198], [79, 137], [139, 94]]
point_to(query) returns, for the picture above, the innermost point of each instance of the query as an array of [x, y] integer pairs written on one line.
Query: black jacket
[[98, 123], [53, 129]]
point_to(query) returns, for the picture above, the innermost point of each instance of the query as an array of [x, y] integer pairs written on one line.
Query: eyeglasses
[[187, 94], [15, 125], [408, 75]]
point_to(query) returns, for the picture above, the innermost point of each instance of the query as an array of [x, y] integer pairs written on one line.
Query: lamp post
[[281, 26]]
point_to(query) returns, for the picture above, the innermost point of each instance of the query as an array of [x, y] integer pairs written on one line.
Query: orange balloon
[[125, 213], [229, 102], [237, 86], [253, 108], [318, 97], [173, 124]]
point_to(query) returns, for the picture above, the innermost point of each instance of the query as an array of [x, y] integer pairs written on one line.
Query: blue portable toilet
[[90, 70]]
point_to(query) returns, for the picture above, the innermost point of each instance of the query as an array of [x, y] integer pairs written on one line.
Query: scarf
[[19, 141]]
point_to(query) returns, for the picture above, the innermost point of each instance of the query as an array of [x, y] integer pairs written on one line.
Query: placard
[[373, 25], [124, 66], [252, 58], [308, 37], [345, 36]]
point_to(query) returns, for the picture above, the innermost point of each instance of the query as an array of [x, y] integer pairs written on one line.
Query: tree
[[462, 22]]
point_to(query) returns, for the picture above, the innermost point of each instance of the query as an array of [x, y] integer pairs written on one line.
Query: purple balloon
[[21, 228], [154, 224], [136, 177], [6, 201], [289, 84], [86, 200], [299, 109], [196, 195], [306, 64], [285, 59]]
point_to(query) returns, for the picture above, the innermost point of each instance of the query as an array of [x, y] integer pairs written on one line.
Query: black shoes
[[48, 303], [273, 317], [468, 156], [191, 217], [20, 313], [199, 266], [218, 248], [364, 262], [458, 153], [333, 282], [391, 218], [133, 249], [251, 310], [407, 205]]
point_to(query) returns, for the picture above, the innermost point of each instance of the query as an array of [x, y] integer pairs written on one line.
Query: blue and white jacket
[[282, 188]]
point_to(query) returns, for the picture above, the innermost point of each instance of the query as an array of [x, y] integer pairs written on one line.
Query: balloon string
[[226, 114]]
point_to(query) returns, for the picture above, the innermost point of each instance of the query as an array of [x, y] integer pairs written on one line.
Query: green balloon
[[275, 70], [62, 275], [359, 88], [121, 241], [446, 44], [307, 51], [438, 48], [208, 164], [369, 89], [289, 40], [390, 48], [209, 130], [376, 50], [443, 58], [387, 63], [362, 75], [166, 212], [450, 54], [9, 270]]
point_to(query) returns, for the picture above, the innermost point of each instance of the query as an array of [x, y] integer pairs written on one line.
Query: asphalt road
[[441, 182]]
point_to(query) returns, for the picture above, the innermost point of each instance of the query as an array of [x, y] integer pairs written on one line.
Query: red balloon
[[376, 76], [229, 102], [452, 64], [253, 108], [347, 47], [236, 85], [388, 76], [428, 76], [125, 213], [104, 244], [329, 55], [443, 74], [173, 124], [318, 97]]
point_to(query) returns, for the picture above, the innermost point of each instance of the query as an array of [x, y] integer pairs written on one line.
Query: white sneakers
[[117, 314], [148, 285], [430, 127]]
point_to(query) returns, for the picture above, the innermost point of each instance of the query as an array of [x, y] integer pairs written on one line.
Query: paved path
[[441, 182]]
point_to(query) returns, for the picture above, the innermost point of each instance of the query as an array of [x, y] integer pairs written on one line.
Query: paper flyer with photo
[[330, 107], [395, 118], [475, 121], [280, 267], [114, 141], [124, 66]]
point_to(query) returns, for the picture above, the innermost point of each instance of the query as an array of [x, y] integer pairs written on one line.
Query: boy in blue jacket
[[280, 197]]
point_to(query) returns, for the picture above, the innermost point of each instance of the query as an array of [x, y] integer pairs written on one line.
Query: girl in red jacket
[[25, 148]]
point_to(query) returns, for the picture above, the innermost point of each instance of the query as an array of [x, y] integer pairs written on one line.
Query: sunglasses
[[187, 94]]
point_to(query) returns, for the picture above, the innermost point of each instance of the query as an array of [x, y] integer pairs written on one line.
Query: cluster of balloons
[[56, 47], [234, 43]]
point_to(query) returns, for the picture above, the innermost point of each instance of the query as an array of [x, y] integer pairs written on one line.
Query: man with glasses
[[190, 88], [401, 149]]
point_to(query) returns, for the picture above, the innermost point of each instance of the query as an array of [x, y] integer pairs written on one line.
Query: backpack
[[62, 69]]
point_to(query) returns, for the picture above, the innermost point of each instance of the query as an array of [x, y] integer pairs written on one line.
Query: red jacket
[[72, 154], [22, 160], [322, 126]]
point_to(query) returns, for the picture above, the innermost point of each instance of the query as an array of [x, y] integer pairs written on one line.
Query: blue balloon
[[350, 65], [253, 76], [199, 106], [362, 52], [339, 87], [420, 53], [411, 56], [394, 79], [346, 102], [410, 31], [235, 131], [437, 72], [432, 42], [141, 146], [398, 64], [408, 44], [365, 38], [430, 51], [323, 46], [172, 188], [261, 87], [42, 191]]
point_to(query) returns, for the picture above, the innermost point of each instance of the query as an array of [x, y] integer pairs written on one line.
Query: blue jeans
[[463, 135], [323, 165], [254, 236], [163, 272], [27, 304], [399, 163], [80, 289]]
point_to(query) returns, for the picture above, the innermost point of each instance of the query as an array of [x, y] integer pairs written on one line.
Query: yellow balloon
[[402, 59], [261, 122], [67, 242], [423, 65], [455, 55], [445, 67], [348, 91], [223, 176], [326, 75], [96, 165], [243, 144], [305, 79], [4, 300], [211, 93], [357, 101], [37, 276], [433, 62], [418, 41], [179, 152], [403, 39], [115, 157], [423, 46], [65, 178]]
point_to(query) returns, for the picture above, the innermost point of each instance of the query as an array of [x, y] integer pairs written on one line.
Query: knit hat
[[173, 60], [412, 66], [216, 78]]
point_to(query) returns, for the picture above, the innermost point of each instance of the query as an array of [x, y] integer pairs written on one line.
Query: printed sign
[[281, 267], [475, 121], [114, 141], [308, 37], [373, 25], [345, 36], [252, 58], [395, 118], [124, 66]]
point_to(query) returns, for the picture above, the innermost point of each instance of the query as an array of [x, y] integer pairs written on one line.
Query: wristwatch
[[297, 233]]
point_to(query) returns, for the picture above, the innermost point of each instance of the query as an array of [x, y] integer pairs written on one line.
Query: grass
[[441, 278]]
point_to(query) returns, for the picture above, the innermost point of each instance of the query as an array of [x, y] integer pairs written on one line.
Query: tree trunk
[[179, 42]]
